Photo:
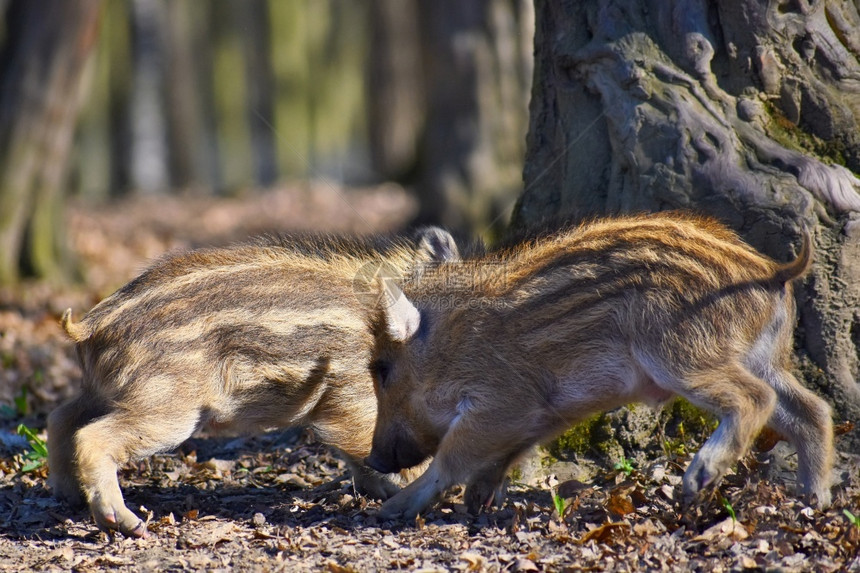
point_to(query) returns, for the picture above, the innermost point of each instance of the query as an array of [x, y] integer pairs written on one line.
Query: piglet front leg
[[466, 455], [414, 498]]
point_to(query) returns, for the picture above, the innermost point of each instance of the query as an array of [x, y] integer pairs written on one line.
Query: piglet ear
[[402, 319], [438, 244]]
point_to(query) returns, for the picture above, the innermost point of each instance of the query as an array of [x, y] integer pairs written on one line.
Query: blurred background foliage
[[109, 98]]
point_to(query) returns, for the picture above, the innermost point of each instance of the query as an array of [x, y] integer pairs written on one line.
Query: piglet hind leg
[[743, 402], [63, 423], [806, 420], [102, 445]]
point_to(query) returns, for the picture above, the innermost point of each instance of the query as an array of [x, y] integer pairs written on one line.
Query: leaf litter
[[281, 502]]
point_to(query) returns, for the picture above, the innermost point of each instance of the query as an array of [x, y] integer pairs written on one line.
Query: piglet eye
[[381, 369]]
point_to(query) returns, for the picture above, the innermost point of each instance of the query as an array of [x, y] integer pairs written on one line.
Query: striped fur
[[616, 311], [261, 335]]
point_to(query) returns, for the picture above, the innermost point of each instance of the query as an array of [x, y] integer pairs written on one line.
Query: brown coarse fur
[[515, 346], [268, 334]]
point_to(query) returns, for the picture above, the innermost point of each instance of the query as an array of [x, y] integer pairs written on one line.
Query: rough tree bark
[[44, 53], [742, 109], [477, 65]]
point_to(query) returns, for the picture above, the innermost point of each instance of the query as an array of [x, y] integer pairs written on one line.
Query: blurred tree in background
[[448, 98], [223, 95], [43, 65]]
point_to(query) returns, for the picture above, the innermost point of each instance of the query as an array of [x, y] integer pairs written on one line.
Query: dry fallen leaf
[[219, 466], [292, 479], [211, 534], [668, 491], [333, 567], [729, 528], [606, 533], [522, 564], [647, 528], [620, 503], [474, 560], [65, 553], [260, 534]]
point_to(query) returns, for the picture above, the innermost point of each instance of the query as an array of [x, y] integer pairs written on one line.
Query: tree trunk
[[477, 62], [185, 26], [120, 88], [44, 55], [395, 92], [149, 147], [253, 17], [744, 110], [203, 46]]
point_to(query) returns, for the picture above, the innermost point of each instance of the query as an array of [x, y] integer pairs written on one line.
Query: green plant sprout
[[727, 504], [851, 517], [558, 502], [38, 454], [624, 465]]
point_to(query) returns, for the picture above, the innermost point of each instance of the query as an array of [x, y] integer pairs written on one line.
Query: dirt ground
[[280, 502]]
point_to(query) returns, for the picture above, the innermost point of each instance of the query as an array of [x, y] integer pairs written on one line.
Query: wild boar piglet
[[509, 349], [269, 334]]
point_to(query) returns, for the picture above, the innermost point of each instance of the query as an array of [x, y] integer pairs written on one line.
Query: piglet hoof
[[698, 477], [122, 520], [375, 485], [139, 531], [501, 494], [391, 513], [482, 495], [819, 499], [399, 507], [136, 530], [477, 498]]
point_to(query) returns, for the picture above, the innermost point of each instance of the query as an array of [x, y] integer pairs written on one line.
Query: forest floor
[[280, 502]]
